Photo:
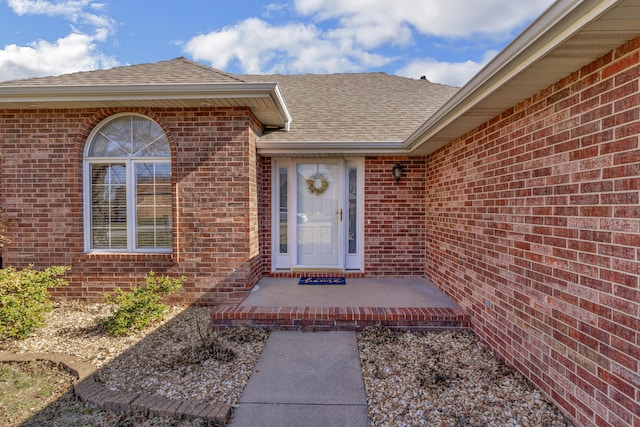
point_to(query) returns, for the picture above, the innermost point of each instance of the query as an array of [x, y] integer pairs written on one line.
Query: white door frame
[[284, 236]]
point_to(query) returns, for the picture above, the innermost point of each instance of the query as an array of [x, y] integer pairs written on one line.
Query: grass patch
[[26, 388]]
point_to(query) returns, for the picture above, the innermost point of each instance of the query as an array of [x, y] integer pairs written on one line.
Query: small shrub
[[24, 298], [137, 308]]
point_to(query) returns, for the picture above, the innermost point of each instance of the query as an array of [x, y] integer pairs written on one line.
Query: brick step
[[341, 318]]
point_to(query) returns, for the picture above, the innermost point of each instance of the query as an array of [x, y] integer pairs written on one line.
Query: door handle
[[339, 213]]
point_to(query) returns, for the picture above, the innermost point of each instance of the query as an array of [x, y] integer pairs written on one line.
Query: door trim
[[284, 244]]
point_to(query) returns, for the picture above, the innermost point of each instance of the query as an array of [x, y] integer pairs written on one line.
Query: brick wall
[[533, 227], [264, 198], [394, 217], [215, 209]]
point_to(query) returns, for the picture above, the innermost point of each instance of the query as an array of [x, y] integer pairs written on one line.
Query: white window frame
[[130, 163]]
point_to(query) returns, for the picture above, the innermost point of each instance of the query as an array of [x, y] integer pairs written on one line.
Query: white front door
[[318, 214]]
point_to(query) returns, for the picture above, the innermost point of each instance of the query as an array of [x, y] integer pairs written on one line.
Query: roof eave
[[14, 97], [463, 112], [329, 149]]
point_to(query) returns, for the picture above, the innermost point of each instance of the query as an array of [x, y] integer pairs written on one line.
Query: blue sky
[[446, 40]]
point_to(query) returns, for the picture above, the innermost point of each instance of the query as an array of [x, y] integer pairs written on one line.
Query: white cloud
[[259, 47], [252, 43], [76, 51], [449, 73], [348, 36], [442, 18], [73, 10], [69, 9], [68, 54]]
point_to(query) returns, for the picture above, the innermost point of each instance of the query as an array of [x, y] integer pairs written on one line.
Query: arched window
[[127, 181]]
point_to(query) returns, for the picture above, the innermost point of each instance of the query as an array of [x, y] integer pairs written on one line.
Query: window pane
[[148, 139], [130, 136], [153, 205], [284, 210], [103, 146], [353, 210], [108, 206]]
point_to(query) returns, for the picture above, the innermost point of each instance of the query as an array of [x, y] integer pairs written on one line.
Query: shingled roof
[[178, 83], [175, 71], [327, 108], [365, 107]]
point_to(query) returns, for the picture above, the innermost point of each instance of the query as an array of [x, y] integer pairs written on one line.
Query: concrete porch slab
[[365, 292], [402, 304]]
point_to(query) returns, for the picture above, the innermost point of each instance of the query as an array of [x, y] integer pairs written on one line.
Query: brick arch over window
[[128, 185]]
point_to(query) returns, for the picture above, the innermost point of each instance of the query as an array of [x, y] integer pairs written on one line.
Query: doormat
[[322, 281]]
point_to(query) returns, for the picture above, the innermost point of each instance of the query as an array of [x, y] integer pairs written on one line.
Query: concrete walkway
[[305, 379]]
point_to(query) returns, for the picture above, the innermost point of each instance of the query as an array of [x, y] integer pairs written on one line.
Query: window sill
[[129, 255]]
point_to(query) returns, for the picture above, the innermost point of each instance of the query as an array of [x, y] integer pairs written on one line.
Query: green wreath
[[311, 183]]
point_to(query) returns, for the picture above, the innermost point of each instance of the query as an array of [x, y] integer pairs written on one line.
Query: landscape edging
[[87, 389]]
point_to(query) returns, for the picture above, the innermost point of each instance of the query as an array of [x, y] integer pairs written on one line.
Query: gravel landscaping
[[445, 379], [411, 379]]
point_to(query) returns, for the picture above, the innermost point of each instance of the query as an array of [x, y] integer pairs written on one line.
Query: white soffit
[[569, 35], [264, 99]]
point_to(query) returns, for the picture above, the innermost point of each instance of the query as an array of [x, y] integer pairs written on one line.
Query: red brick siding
[[394, 217], [216, 236], [264, 198], [533, 227]]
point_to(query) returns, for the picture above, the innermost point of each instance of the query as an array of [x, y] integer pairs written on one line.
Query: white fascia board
[[135, 92], [548, 32], [145, 92], [330, 148]]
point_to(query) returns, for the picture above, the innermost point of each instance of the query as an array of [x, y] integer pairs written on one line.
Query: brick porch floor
[[401, 304]]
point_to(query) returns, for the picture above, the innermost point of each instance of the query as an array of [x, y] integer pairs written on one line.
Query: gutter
[[146, 92], [278, 101], [329, 149], [549, 31]]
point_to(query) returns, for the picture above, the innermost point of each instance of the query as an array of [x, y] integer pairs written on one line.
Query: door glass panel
[[317, 214], [284, 211], [353, 211]]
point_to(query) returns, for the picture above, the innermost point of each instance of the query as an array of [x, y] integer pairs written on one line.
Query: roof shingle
[[365, 107], [175, 71], [340, 108]]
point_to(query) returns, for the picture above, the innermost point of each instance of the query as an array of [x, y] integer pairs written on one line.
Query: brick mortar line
[[88, 390]]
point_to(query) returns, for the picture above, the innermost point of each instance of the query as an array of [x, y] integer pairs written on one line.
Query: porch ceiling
[[569, 35]]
